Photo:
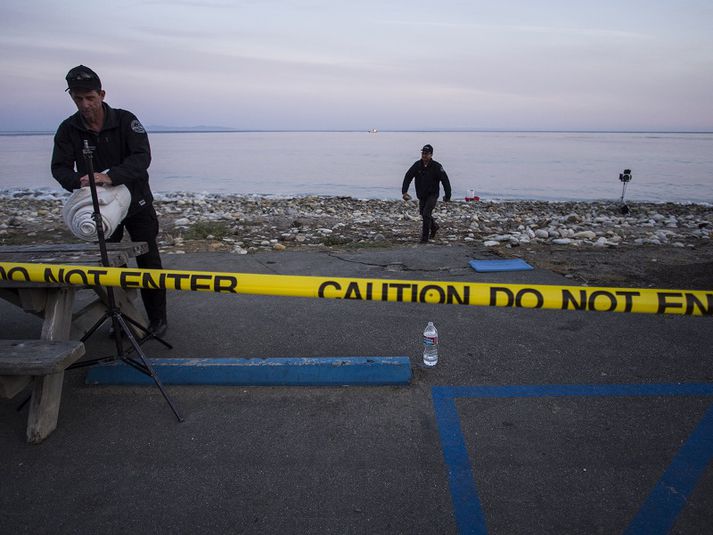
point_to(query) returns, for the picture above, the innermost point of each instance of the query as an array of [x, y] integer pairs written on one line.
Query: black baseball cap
[[81, 77], [427, 148]]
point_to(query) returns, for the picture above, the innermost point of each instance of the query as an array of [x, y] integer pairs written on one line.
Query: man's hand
[[100, 179], [406, 197]]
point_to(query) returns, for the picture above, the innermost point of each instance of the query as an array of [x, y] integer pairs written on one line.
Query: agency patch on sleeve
[[137, 127]]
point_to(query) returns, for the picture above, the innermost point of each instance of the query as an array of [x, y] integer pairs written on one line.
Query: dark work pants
[[425, 208], [143, 226]]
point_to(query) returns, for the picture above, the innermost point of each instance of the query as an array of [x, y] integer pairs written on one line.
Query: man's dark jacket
[[122, 147], [427, 180]]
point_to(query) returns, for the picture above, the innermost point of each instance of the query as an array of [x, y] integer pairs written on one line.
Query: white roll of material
[[77, 212]]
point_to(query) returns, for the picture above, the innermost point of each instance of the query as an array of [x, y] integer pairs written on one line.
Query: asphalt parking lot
[[533, 421]]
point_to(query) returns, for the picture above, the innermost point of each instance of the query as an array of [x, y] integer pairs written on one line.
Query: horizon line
[[214, 130]]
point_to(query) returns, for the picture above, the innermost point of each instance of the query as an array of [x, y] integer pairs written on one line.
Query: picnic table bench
[[42, 362]]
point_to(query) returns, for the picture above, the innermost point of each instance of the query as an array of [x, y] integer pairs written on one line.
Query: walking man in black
[[428, 174], [122, 152]]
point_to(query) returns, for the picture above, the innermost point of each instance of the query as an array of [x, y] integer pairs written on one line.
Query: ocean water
[[497, 165]]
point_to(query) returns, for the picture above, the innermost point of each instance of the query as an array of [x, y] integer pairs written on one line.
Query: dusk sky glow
[[333, 65]]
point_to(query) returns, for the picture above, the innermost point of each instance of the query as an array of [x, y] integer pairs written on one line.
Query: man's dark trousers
[[425, 208], [143, 226]]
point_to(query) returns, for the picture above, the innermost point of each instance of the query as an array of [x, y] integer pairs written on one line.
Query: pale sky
[[332, 64]]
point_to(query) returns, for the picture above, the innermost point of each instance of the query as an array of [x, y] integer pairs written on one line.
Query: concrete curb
[[323, 371]]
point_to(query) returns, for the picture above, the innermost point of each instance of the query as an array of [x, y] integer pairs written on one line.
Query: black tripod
[[625, 178], [120, 321]]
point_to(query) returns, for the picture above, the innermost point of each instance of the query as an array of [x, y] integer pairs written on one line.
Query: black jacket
[[427, 180], [122, 147]]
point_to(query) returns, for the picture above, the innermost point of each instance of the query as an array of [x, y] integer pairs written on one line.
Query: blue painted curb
[[325, 371]]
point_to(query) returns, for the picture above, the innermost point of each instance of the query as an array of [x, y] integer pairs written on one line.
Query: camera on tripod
[[625, 178]]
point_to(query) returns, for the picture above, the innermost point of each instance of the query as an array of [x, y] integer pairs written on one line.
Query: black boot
[[434, 228], [424, 230]]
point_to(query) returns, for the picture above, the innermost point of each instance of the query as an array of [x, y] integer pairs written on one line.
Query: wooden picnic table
[[54, 303], [72, 253]]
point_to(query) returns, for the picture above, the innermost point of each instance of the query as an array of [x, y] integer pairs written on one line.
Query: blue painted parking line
[[659, 511], [670, 494]]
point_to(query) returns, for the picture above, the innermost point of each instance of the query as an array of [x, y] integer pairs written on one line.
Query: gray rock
[[585, 235]]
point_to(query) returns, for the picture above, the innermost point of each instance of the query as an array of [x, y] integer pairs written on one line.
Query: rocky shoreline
[[592, 243], [245, 224]]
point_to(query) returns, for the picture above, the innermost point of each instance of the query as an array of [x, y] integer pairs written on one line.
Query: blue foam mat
[[488, 266]]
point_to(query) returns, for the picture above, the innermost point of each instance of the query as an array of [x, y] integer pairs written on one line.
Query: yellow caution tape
[[631, 300]]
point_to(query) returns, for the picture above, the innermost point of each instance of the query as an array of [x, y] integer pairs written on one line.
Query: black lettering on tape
[[353, 291], [200, 282], [602, 293], [693, 302], [628, 299], [520, 296], [177, 279], [423, 296], [130, 279], [80, 273], [495, 290], [226, 283], [400, 287], [10, 273], [52, 276], [385, 291], [571, 302], [454, 297], [97, 274], [149, 283], [663, 300], [568, 299], [325, 284], [596, 299]]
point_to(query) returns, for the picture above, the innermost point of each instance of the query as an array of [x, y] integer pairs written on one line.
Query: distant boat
[[373, 131]]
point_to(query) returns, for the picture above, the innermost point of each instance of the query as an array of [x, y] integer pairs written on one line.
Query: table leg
[[47, 389], [58, 314], [44, 406]]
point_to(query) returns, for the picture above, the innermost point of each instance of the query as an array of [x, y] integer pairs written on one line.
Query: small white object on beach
[[585, 235]]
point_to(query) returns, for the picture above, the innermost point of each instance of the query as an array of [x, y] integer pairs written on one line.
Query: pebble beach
[[193, 222]]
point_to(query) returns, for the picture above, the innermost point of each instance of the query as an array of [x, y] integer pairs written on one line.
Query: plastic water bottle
[[430, 345]]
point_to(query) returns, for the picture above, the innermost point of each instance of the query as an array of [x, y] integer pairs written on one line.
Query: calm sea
[[497, 165]]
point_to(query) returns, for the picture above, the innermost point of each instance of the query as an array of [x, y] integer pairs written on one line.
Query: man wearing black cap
[[428, 174], [122, 152]]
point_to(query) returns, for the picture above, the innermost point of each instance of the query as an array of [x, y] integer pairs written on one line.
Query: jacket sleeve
[[134, 166], [446, 185], [62, 165], [407, 178]]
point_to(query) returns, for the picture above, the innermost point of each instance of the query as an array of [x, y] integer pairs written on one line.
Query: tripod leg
[[148, 334], [94, 327], [145, 363]]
